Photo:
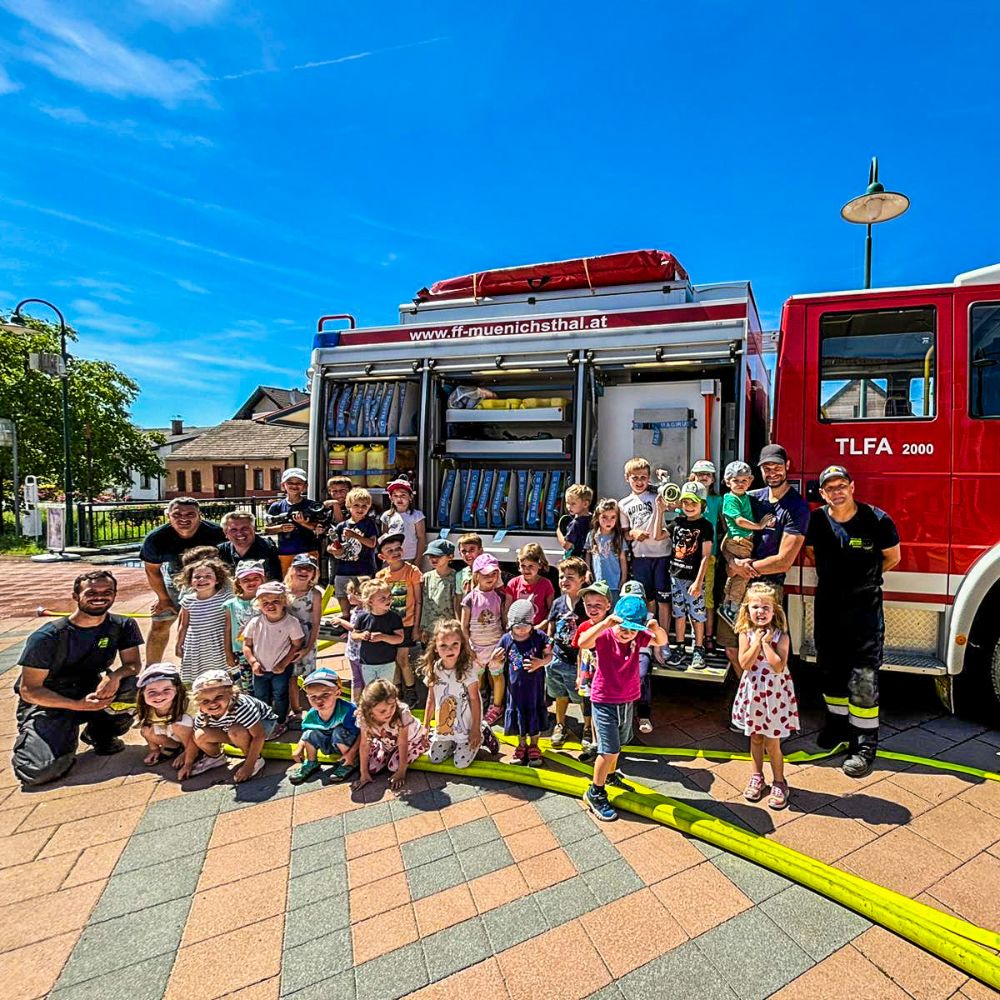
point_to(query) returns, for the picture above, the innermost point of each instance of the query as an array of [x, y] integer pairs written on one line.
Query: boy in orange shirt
[[405, 582]]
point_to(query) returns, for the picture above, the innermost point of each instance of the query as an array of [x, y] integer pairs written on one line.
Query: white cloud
[[128, 128], [98, 288], [7, 85], [87, 316], [81, 53], [190, 286], [179, 13]]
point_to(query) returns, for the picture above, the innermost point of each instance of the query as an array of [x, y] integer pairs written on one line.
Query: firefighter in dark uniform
[[852, 544]]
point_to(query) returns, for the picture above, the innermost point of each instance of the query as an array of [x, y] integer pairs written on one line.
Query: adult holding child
[[67, 681], [162, 555], [852, 545]]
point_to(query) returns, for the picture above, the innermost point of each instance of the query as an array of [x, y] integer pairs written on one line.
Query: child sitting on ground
[[564, 617], [271, 641], [162, 713], [225, 715], [404, 580], [616, 642], [574, 525], [453, 697], [438, 588], [525, 652], [482, 622], [390, 735], [328, 727]]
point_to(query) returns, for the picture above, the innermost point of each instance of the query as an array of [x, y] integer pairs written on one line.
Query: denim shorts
[[560, 681], [653, 572], [684, 605], [327, 740], [612, 726], [269, 726], [378, 671]]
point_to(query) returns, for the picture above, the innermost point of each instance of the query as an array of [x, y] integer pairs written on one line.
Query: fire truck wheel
[[995, 669]]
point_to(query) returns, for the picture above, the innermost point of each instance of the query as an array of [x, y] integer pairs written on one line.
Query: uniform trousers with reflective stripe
[[849, 640]]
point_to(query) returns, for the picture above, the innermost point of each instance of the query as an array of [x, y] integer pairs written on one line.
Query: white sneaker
[[558, 735], [206, 763], [645, 726], [258, 766]]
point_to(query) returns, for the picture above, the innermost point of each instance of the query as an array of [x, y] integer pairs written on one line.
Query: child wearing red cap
[[403, 517]]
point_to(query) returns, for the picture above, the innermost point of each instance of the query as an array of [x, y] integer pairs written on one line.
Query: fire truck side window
[[877, 365], [984, 360]]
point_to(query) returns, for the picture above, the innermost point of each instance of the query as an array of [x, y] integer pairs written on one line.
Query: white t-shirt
[[406, 522], [637, 512]]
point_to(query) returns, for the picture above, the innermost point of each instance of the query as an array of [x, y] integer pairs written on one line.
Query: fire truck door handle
[[812, 491]]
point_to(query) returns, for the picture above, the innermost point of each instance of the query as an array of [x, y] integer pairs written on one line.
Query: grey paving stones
[[320, 957], [428, 879], [171, 813], [455, 948], [142, 887], [305, 922], [433, 847], [314, 886], [566, 901], [816, 924], [681, 974], [514, 922], [474, 834], [611, 882], [591, 852], [364, 819], [316, 857], [317, 831], [184, 841], [756, 882], [392, 976], [339, 987], [551, 806], [124, 984], [484, 859], [753, 954]]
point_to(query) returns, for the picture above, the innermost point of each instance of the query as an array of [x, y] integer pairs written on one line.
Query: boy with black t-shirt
[[352, 545], [564, 616], [691, 536]]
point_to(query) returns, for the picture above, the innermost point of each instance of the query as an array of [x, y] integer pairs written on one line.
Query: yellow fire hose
[[958, 942]]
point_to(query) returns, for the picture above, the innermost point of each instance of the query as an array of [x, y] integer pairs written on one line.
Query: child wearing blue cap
[[617, 642], [328, 727]]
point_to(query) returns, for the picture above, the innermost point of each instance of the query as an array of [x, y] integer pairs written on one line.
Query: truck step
[[912, 663]]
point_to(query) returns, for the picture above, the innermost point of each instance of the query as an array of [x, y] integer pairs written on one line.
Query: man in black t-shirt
[[161, 553], [852, 545], [67, 682], [243, 542]]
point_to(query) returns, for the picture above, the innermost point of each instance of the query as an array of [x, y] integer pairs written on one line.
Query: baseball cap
[[324, 676], [440, 547], [703, 465], [388, 538], [696, 491], [211, 679], [271, 587], [485, 564], [735, 469], [521, 613], [833, 472], [295, 473], [400, 484], [247, 567], [157, 672], [773, 453], [599, 587], [632, 612], [304, 559], [633, 588]]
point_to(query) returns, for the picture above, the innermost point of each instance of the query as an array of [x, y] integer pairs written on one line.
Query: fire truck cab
[[902, 386]]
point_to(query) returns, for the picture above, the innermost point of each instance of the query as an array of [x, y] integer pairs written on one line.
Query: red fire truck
[[587, 362]]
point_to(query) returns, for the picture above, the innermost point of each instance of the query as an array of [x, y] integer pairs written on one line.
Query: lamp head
[[874, 206], [15, 324]]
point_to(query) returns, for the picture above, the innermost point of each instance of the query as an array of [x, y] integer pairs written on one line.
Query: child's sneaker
[[698, 659], [492, 715], [597, 802], [343, 771], [645, 726], [754, 791], [535, 756], [617, 779], [778, 798], [206, 763], [520, 754], [303, 772], [490, 742], [558, 737], [676, 658], [588, 754]]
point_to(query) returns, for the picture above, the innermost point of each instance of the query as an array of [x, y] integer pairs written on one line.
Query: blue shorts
[[612, 726], [684, 605], [560, 681], [653, 572], [327, 740]]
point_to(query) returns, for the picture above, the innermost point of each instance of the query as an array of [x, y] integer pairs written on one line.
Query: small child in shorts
[[328, 727]]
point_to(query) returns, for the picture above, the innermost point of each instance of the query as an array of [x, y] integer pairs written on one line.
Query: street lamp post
[[16, 322], [874, 206]]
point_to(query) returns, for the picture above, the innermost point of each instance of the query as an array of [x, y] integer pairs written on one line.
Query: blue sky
[[194, 181]]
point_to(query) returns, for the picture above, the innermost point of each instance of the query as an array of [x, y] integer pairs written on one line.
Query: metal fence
[[131, 520]]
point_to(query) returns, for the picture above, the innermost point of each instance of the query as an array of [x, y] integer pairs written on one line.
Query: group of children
[[493, 650]]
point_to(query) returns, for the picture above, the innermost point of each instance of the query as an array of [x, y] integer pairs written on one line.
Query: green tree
[[100, 396]]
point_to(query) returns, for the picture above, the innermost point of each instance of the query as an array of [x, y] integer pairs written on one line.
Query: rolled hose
[[958, 942]]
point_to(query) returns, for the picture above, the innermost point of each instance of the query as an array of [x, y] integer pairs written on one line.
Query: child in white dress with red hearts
[[766, 708]]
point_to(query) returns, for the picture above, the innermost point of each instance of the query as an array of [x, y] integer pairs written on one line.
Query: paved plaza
[[119, 883]]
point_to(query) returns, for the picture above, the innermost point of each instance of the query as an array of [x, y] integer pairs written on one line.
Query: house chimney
[[176, 426]]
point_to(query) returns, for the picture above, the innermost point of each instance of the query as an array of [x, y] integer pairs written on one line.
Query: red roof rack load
[[630, 268]]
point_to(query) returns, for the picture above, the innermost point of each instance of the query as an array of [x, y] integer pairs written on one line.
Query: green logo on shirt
[[103, 642]]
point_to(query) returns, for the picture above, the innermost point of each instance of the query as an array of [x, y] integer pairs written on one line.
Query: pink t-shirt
[[485, 616], [540, 593], [616, 671]]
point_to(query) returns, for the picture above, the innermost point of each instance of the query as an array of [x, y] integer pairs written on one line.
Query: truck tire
[[995, 671]]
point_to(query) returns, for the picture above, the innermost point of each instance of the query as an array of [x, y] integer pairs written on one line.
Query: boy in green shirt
[[737, 513]]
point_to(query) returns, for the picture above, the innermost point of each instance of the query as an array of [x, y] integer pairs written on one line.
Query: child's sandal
[[754, 791], [778, 798]]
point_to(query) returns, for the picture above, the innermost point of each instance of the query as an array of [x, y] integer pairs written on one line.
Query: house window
[[258, 479], [195, 481], [275, 480], [877, 365], [145, 482], [984, 360], [182, 481]]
